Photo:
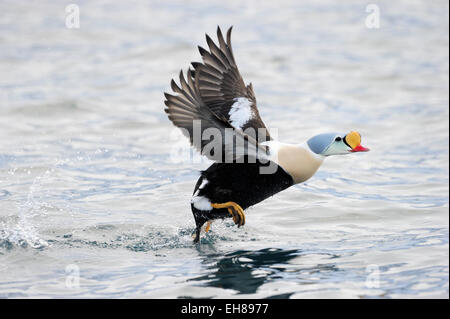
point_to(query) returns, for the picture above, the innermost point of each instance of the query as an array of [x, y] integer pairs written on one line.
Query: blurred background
[[93, 205]]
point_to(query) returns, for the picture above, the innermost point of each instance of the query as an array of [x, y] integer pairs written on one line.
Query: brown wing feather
[[187, 111], [220, 82], [206, 97]]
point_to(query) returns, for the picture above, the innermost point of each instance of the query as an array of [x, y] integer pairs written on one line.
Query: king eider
[[218, 113]]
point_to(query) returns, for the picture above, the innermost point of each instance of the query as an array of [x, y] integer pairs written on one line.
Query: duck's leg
[[234, 209], [197, 231], [208, 226], [196, 234], [200, 219]]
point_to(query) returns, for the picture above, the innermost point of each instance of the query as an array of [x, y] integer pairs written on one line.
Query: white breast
[[297, 160]]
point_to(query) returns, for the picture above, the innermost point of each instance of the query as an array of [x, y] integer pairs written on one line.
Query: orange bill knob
[[353, 139]]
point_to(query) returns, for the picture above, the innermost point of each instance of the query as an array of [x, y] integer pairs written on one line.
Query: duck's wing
[[223, 90], [215, 96]]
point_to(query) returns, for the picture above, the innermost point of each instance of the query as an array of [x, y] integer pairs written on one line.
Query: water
[[93, 205]]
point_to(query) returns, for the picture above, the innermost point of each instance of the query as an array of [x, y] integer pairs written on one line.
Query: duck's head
[[336, 144]]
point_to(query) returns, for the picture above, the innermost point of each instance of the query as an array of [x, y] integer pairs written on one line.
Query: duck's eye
[[337, 139]]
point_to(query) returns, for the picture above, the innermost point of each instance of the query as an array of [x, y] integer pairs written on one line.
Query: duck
[[218, 113]]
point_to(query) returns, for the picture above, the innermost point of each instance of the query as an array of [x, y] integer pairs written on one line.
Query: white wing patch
[[204, 182], [201, 203], [240, 112]]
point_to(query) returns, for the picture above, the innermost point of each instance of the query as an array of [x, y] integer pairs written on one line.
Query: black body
[[241, 183]]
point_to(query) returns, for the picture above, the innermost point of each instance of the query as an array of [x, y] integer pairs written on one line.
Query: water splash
[[21, 230]]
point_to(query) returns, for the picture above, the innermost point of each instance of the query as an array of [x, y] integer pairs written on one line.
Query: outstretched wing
[[223, 90], [215, 97]]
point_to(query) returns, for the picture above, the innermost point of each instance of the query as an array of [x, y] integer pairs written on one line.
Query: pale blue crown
[[319, 143]]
